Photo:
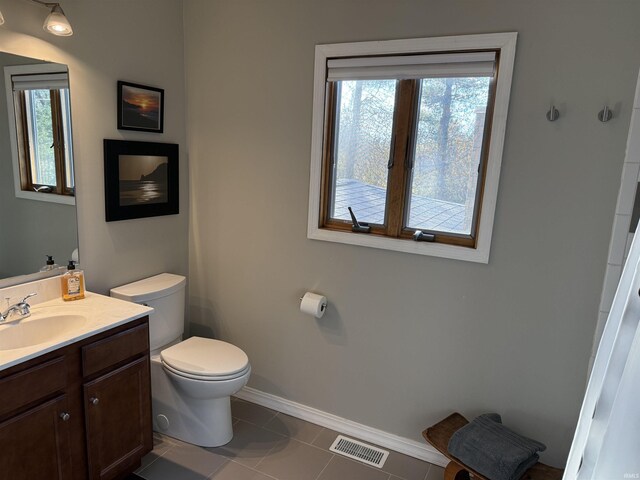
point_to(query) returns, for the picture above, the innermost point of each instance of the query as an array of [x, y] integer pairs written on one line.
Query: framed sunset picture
[[140, 107], [140, 179]]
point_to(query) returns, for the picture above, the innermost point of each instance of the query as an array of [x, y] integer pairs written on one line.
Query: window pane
[[364, 121], [43, 162], [447, 153]]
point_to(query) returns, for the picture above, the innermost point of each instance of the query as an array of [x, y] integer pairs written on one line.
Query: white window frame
[[506, 43], [9, 71]]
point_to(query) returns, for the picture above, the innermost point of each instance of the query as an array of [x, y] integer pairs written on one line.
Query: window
[[41, 139], [407, 143]]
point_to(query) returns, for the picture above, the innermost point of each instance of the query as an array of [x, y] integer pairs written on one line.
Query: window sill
[[46, 197], [478, 255]]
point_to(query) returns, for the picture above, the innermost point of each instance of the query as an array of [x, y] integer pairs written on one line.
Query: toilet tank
[[165, 293]]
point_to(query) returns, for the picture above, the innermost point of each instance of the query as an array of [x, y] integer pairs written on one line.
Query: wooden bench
[[439, 436]]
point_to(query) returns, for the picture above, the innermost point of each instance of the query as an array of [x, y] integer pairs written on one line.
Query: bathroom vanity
[[78, 406]]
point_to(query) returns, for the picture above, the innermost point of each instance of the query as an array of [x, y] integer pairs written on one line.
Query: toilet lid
[[205, 357]]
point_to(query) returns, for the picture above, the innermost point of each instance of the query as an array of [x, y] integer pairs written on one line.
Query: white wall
[[139, 41], [408, 339]]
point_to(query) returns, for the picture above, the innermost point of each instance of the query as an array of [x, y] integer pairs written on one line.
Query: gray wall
[[31, 228], [408, 339], [141, 42]]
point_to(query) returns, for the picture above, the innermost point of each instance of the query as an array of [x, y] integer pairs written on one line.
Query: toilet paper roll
[[313, 304]]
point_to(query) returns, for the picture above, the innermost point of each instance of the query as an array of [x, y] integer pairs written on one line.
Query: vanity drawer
[[33, 384], [115, 349]]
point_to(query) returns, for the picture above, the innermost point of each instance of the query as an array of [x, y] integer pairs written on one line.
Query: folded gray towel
[[491, 449]]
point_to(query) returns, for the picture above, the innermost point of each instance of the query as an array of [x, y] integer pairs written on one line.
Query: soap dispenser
[[72, 283], [50, 265]]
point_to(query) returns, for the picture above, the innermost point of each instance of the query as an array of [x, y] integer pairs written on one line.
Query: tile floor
[[268, 445]]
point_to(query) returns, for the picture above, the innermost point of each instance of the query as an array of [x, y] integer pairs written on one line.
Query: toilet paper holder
[[313, 304], [323, 307]]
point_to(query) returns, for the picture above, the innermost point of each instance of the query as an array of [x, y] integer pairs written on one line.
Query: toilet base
[[204, 422]]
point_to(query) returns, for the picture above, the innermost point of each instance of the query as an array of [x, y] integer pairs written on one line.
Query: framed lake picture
[[140, 179], [140, 107]]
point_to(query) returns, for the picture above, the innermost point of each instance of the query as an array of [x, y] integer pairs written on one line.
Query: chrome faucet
[[21, 309]]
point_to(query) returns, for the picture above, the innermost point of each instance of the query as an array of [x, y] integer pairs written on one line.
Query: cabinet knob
[[65, 416], [94, 400]]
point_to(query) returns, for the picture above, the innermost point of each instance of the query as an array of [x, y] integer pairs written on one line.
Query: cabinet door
[[118, 420], [35, 444]]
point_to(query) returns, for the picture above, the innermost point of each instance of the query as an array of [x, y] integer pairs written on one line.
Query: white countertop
[[102, 313]]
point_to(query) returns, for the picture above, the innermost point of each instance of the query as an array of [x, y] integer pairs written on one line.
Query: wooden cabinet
[[80, 412], [35, 444], [118, 420]]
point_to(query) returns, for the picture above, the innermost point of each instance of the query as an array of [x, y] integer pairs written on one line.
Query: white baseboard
[[419, 450]]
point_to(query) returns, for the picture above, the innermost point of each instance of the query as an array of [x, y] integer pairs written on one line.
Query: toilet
[[191, 380]]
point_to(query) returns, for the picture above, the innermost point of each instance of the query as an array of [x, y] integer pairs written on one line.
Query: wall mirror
[[37, 187]]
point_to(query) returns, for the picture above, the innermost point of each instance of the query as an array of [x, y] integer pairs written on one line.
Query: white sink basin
[[38, 329]]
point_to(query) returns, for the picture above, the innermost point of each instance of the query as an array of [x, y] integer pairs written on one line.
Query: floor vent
[[359, 451]]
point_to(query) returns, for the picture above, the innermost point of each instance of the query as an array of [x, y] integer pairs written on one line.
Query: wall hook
[[553, 114], [605, 114]]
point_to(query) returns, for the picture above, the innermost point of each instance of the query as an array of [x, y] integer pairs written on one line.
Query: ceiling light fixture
[[56, 22]]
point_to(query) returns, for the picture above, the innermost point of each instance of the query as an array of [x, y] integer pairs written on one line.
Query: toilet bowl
[[191, 385], [191, 380]]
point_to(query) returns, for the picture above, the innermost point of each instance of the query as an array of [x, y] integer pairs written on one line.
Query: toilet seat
[[205, 359], [206, 378]]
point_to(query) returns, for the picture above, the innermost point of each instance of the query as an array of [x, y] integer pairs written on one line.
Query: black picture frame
[[140, 107], [140, 179]]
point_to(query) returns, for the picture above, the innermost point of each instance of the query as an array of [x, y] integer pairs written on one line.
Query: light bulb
[[57, 23]]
